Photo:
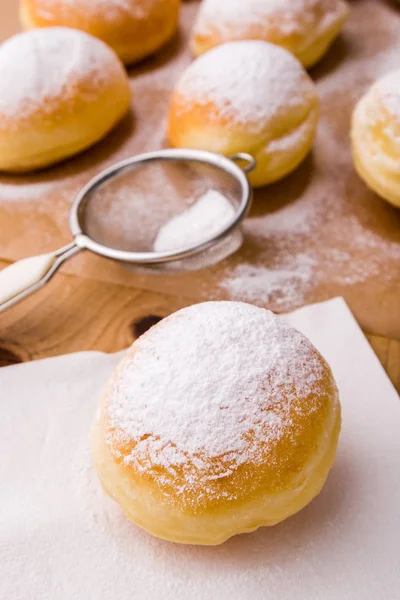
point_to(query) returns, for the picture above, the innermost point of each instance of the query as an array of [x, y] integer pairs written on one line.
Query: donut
[[304, 27], [247, 96], [375, 135], [219, 420], [133, 28], [61, 90]]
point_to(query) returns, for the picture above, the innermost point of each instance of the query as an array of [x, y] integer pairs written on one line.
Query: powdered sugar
[[223, 14], [288, 17], [285, 284], [16, 192], [207, 216], [218, 380], [41, 66], [290, 267], [294, 258], [249, 82]]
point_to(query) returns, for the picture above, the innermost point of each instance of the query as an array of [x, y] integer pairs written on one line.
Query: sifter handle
[[29, 274]]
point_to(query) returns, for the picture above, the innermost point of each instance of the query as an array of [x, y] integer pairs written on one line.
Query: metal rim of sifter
[[226, 164], [28, 275]]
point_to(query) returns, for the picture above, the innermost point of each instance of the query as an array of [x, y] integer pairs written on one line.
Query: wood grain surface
[[353, 241]]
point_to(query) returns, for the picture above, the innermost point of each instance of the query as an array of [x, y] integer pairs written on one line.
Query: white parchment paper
[[62, 538]]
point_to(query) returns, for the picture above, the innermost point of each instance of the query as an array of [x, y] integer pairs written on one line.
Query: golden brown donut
[[375, 137], [133, 28], [248, 96], [61, 91], [219, 420], [304, 27]]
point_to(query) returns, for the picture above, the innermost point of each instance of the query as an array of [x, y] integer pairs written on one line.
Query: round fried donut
[[250, 97], [133, 28], [61, 91], [220, 419], [376, 137], [304, 27]]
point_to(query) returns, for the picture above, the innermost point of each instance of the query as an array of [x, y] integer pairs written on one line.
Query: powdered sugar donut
[[248, 96], [304, 27], [376, 137], [61, 90], [133, 28], [219, 420]]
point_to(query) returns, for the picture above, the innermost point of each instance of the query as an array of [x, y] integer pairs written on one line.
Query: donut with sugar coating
[[304, 27], [62, 90], [219, 420], [248, 96]]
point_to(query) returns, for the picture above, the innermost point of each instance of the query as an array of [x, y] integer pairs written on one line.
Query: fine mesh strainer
[[120, 213]]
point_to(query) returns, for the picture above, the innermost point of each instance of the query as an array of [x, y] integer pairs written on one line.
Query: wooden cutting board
[[317, 234]]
